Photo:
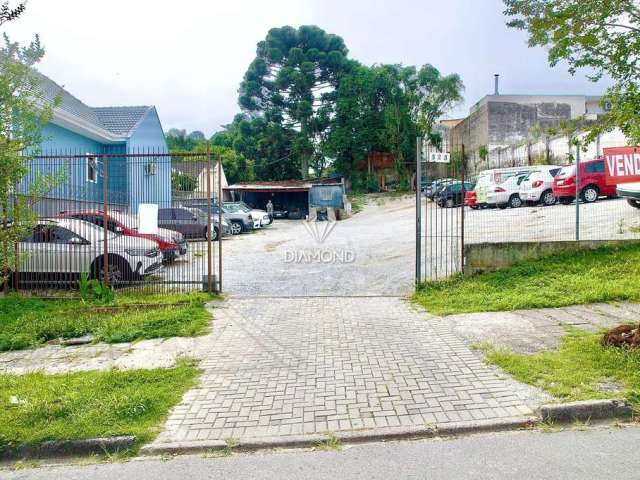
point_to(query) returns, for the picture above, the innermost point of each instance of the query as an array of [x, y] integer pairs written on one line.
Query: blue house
[[88, 146]]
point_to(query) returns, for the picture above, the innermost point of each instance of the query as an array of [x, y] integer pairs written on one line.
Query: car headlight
[[137, 252]]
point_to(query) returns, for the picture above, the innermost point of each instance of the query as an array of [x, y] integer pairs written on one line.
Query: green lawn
[[602, 275], [89, 404], [576, 369], [27, 322]]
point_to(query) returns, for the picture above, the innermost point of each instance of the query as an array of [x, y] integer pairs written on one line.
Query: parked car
[[61, 249], [261, 215], [280, 212], [488, 180], [435, 185], [239, 221], [451, 195], [630, 192], [537, 187], [226, 227], [470, 199], [172, 244], [592, 183], [191, 222], [506, 194]]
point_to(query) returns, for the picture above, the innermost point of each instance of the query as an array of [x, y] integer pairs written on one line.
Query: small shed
[[295, 196]]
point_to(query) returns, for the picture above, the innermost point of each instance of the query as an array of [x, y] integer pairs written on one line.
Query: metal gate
[[441, 187], [91, 215]]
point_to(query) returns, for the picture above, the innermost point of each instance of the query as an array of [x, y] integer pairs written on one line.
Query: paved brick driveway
[[285, 366]]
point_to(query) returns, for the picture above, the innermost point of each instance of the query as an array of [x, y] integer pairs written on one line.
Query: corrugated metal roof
[[120, 121]]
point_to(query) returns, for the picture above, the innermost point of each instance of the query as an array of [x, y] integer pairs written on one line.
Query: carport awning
[[274, 186]]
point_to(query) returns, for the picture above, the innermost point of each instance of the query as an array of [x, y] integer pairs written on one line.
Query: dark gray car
[[186, 222]]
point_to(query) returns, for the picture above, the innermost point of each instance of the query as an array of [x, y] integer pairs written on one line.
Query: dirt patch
[[623, 336], [271, 246]]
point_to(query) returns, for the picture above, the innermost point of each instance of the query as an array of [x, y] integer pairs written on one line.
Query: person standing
[[270, 210]]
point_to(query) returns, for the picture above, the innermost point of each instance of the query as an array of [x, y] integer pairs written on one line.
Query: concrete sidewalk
[[280, 367], [529, 331]]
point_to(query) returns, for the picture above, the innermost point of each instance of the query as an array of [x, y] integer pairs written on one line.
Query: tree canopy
[[291, 83], [307, 107], [600, 36]]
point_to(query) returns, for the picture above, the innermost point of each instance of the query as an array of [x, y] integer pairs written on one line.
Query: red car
[[172, 244], [592, 183], [470, 199]]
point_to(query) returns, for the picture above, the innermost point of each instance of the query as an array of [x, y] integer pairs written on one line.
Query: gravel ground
[[373, 253]]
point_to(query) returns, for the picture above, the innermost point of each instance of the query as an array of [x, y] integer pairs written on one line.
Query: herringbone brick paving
[[282, 366]]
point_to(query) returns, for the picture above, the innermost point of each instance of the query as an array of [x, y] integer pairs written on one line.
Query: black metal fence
[[120, 217], [513, 203]]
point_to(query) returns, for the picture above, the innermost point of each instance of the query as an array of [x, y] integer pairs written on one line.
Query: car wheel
[[589, 194], [216, 232], [633, 203], [236, 228], [117, 272], [449, 203], [515, 201], [566, 200], [548, 198]]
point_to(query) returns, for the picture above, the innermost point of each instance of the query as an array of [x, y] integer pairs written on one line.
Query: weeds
[[332, 443]]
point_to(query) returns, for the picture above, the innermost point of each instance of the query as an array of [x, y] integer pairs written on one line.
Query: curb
[[347, 437], [586, 410], [65, 448]]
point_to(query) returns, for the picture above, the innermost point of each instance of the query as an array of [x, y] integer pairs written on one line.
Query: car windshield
[[236, 207], [197, 212]]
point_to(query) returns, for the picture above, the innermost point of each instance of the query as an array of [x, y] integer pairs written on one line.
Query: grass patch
[[577, 369], [89, 404], [331, 444], [27, 322], [357, 203], [602, 275]]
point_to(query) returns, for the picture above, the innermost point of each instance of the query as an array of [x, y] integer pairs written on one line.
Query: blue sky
[[188, 57]]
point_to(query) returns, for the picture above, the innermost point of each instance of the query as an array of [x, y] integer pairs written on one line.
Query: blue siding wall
[[60, 141], [142, 187]]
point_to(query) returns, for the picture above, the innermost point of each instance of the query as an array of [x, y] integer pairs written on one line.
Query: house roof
[[105, 123]]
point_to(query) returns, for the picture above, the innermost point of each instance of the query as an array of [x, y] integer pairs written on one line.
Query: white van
[[488, 180]]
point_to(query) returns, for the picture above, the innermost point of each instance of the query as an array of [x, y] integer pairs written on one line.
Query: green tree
[[358, 119], [22, 116], [601, 36], [433, 96], [291, 84]]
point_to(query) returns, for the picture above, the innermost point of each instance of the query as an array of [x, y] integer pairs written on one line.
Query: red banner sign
[[622, 165]]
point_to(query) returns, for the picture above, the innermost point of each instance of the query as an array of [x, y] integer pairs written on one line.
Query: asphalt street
[[531, 455]]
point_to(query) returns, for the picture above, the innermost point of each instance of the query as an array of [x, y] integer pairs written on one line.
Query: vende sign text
[[622, 165]]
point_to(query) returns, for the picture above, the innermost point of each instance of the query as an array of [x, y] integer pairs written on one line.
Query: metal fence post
[[220, 203], [210, 230], [577, 192], [105, 201], [462, 174], [418, 210]]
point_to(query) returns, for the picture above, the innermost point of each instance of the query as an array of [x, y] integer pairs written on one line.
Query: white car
[[506, 194], [630, 192], [537, 186], [64, 248], [260, 217], [489, 180]]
